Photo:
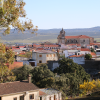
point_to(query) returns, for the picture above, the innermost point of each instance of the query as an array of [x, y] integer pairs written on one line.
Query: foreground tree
[[6, 57], [10, 12]]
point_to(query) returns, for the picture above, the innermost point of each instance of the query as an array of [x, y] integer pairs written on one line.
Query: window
[[50, 55], [40, 55], [40, 98], [31, 96], [40, 61], [83, 40], [54, 97], [50, 98], [15, 98], [22, 97]]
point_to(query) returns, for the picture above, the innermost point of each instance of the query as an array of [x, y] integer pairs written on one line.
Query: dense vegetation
[[22, 73], [6, 58], [10, 13]]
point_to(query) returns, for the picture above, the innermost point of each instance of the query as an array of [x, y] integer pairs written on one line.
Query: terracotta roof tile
[[51, 45], [22, 46], [85, 49], [15, 87], [79, 36], [77, 55], [34, 45], [93, 54], [74, 44]]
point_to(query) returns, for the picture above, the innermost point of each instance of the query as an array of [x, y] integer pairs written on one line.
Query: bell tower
[[61, 37]]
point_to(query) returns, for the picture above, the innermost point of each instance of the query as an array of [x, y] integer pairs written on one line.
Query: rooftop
[[15, 87], [49, 91], [79, 36], [44, 51]]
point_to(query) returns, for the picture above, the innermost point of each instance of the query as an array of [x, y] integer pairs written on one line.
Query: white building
[[43, 56], [79, 59], [50, 94], [67, 53]]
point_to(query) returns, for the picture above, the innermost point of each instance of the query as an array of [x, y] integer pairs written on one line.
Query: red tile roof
[[40, 49], [15, 87], [93, 54], [34, 45], [94, 43], [74, 44], [51, 45], [85, 49], [79, 36], [21, 46], [77, 55]]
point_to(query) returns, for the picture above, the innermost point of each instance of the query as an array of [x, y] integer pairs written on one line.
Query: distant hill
[[48, 34]]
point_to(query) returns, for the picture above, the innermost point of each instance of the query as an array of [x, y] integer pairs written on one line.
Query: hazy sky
[[48, 14]]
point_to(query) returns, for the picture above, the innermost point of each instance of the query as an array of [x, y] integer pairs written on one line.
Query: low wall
[[91, 64]]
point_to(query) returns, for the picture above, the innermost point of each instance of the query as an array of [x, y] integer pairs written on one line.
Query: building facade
[[80, 39], [43, 56]]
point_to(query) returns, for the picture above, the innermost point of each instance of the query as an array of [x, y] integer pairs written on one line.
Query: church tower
[[61, 37]]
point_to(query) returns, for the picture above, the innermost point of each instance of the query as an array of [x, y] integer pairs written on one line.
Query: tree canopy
[[6, 57], [42, 76], [68, 66], [73, 72], [88, 56], [10, 13], [23, 72]]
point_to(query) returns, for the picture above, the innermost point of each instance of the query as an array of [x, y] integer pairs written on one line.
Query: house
[[49, 94], [93, 54], [17, 90], [79, 59], [42, 56], [85, 51]]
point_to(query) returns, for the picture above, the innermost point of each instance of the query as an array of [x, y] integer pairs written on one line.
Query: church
[[80, 39]]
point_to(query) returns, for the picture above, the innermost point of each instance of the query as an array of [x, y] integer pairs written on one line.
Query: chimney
[[29, 79]]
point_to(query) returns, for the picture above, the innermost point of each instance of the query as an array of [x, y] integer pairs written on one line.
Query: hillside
[[48, 35]]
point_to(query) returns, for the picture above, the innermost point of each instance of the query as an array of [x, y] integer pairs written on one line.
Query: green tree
[[88, 56], [42, 76], [6, 57], [10, 13], [22, 73], [74, 73], [92, 50]]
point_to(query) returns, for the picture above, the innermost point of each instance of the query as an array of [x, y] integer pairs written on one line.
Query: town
[[57, 58], [41, 65]]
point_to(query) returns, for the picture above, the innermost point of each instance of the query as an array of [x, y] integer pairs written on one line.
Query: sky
[[67, 14]]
